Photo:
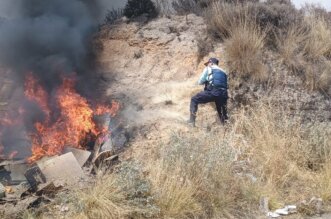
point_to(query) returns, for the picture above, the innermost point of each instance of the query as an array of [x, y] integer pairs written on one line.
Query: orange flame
[[73, 125], [34, 92]]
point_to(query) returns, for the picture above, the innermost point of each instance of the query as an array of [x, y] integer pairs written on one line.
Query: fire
[[34, 92], [73, 124]]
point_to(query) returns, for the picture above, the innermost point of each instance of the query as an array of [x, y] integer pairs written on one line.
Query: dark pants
[[219, 96]]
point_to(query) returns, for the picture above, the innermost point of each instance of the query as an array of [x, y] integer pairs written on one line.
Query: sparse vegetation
[[265, 151]]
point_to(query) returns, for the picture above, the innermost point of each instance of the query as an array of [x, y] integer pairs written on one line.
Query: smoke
[[48, 37]]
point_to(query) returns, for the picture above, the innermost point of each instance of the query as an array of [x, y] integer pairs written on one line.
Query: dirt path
[[154, 79]]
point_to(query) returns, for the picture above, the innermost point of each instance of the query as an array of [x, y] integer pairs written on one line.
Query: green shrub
[[135, 8]]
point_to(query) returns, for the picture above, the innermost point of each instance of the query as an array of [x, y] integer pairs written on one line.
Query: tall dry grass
[[243, 38], [222, 17], [224, 173], [244, 51], [290, 46], [191, 177], [306, 49], [221, 173], [318, 43]]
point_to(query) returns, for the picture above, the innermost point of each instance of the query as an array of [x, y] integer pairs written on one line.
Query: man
[[216, 84]]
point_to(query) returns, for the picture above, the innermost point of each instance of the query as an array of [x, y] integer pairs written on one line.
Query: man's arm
[[203, 77]]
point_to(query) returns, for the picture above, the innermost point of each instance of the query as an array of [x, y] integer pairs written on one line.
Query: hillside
[[276, 147]]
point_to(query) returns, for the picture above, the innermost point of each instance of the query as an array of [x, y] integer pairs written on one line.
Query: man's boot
[[191, 121]]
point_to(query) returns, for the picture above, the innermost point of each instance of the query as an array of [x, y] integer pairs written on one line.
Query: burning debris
[[51, 172], [54, 123], [85, 128]]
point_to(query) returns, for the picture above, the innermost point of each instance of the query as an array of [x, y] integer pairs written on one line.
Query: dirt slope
[[153, 69]]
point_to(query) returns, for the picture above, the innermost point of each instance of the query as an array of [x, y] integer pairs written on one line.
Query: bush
[[317, 76], [135, 8], [276, 15], [305, 48], [222, 17], [243, 51], [318, 43], [290, 45]]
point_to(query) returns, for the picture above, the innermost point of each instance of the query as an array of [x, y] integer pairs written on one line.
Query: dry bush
[[265, 152], [123, 194], [192, 177], [318, 43], [324, 80], [305, 48], [221, 173], [317, 76], [290, 45], [243, 51], [221, 18], [244, 39], [275, 14], [285, 155]]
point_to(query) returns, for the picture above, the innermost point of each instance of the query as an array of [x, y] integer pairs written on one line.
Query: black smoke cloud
[[48, 37]]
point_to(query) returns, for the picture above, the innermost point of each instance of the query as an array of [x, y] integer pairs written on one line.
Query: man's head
[[212, 61]]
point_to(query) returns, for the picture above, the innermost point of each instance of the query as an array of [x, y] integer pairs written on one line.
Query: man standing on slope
[[216, 90]]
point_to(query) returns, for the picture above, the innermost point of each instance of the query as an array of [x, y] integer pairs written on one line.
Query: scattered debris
[[50, 189], [17, 171], [81, 155], [64, 167], [35, 177], [289, 209]]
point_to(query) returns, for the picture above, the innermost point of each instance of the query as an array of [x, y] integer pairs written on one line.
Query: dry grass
[[222, 17], [305, 48], [264, 153], [243, 51], [290, 45], [318, 43], [244, 39], [324, 80], [192, 177], [103, 200], [220, 173]]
